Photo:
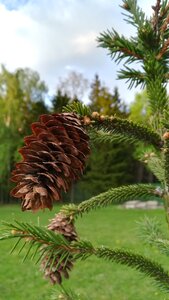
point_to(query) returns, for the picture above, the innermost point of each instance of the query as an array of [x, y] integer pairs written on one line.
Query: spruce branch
[[100, 136], [135, 15], [150, 230], [166, 172], [32, 234], [144, 265], [133, 77], [152, 234], [156, 16], [163, 50], [166, 159], [66, 294], [164, 120], [49, 248], [150, 47], [119, 47], [155, 164], [113, 196], [84, 249], [164, 26], [77, 107], [164, 9], [127, 128], [114, 125], [158, 97]]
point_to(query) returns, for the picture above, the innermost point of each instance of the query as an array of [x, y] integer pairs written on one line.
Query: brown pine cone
[[53, 158], [59, 269], [63, 225]]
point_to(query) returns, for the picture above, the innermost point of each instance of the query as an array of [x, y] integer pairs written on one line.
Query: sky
[[55, 37]]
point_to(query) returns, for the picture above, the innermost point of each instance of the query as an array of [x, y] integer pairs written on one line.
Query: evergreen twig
[[138, 262], [83, 249], [129, 129], [119, 47], [135, 16], [114, 196], [152, 234]]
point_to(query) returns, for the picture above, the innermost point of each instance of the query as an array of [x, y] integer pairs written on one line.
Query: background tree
[[105, 102], [139, 109], [59, 101], [108, 157], [75, 85], [140, 112]]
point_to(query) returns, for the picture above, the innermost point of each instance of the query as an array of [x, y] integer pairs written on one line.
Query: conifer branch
[[116, 126], [138, 262], [152, 234], [156, 16], [164, 9], [49, 248], [133, 77], [158, 97], [164, 25], [127, 128], [113, 196], [33, 234], [100, 136], [163, 50], [59, 247], [156, 165], [44, 240], [135, 15], [166, 163], [150, 230], [119, 47], [77, 107]]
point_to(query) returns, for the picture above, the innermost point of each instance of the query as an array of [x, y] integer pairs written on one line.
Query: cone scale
[[54, 157]]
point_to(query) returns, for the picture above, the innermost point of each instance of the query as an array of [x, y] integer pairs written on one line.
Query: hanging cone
[[55, 270], [53, 158], [62, 225], [59, 269]]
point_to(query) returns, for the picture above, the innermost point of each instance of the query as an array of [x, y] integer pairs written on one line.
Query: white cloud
[[85, 43], [49, 36], [16, 49]]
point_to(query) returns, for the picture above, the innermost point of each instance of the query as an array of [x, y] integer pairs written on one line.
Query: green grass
[[94, 278]]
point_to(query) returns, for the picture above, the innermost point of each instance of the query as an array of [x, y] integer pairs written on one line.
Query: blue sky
[[57, 36], [13, 4]]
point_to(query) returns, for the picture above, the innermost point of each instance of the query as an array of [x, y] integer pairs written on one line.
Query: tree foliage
[[74, 85]]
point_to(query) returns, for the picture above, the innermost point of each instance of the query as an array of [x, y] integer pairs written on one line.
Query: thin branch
[[113, 196], [133, 130], [163, 50], [84, 249], [138, 262]]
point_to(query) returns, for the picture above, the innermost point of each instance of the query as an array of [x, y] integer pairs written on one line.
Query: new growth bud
[[166, 135]]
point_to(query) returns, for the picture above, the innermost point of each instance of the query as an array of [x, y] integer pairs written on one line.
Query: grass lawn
[[95, 279]]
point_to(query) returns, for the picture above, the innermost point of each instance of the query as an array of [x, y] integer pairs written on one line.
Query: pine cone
[[61, 267], [63, 225], [53, 158]]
